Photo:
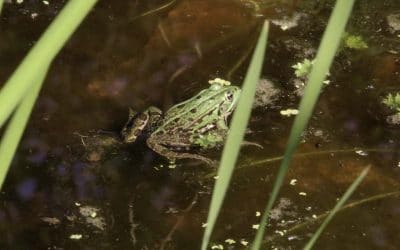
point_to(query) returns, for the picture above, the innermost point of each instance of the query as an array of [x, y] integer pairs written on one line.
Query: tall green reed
[[326, 52], [236, 133], [21, 89]]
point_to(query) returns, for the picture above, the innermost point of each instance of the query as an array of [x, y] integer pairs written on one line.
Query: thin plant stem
[[263, 162], [316, 153], [337, 207], [155, 10], [342, 209]]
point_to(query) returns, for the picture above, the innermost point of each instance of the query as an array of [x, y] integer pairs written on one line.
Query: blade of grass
[[42, 54], [236, 133], [337, 207], [10, 140], [155, 10], [354, 204], [1, 5], [326, 52], [264, 162]]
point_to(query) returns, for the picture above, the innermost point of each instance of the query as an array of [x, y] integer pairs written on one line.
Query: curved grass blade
[[329, 44], [348, 206], [263, 163], [155, 10], [236, 133], [16, 127], [41, 55], [337, 207]]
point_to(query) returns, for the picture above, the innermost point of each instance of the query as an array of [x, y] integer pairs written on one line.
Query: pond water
[[73, 185]]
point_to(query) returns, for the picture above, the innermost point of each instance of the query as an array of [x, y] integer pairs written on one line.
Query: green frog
[[197, 123]]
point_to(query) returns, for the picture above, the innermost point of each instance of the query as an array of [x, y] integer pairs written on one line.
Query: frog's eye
[[229, 96]]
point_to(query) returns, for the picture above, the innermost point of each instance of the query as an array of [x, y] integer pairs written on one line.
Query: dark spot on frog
[[229, 96], [154, 113], [183, 130], [159, 133]]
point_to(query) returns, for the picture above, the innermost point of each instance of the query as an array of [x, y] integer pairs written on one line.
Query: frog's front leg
[[137, 122], [211, 139], [172, 155]]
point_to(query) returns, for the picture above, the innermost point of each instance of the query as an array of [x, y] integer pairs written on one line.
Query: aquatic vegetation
[[303, 69], [392, 101], [354, 42], [289, 112]]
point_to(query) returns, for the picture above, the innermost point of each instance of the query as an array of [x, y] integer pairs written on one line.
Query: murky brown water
[[118, 59]]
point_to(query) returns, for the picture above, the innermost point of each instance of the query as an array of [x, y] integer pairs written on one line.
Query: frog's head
[[229, 97], [221, 99]]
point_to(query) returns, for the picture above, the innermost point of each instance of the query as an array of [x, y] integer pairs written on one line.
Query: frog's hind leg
[[155, 115], [172, 155], [134, 125], [139, 122]]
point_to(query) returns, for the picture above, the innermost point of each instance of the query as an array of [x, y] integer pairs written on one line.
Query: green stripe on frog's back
[[199, 98], [203, 107], [207, 115]]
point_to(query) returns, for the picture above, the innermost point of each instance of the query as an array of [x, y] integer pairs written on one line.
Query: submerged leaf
[[354, 42], [303, 69], [392, 101]]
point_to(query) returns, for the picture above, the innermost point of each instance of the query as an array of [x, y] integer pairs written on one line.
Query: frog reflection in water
[[199, 122]]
